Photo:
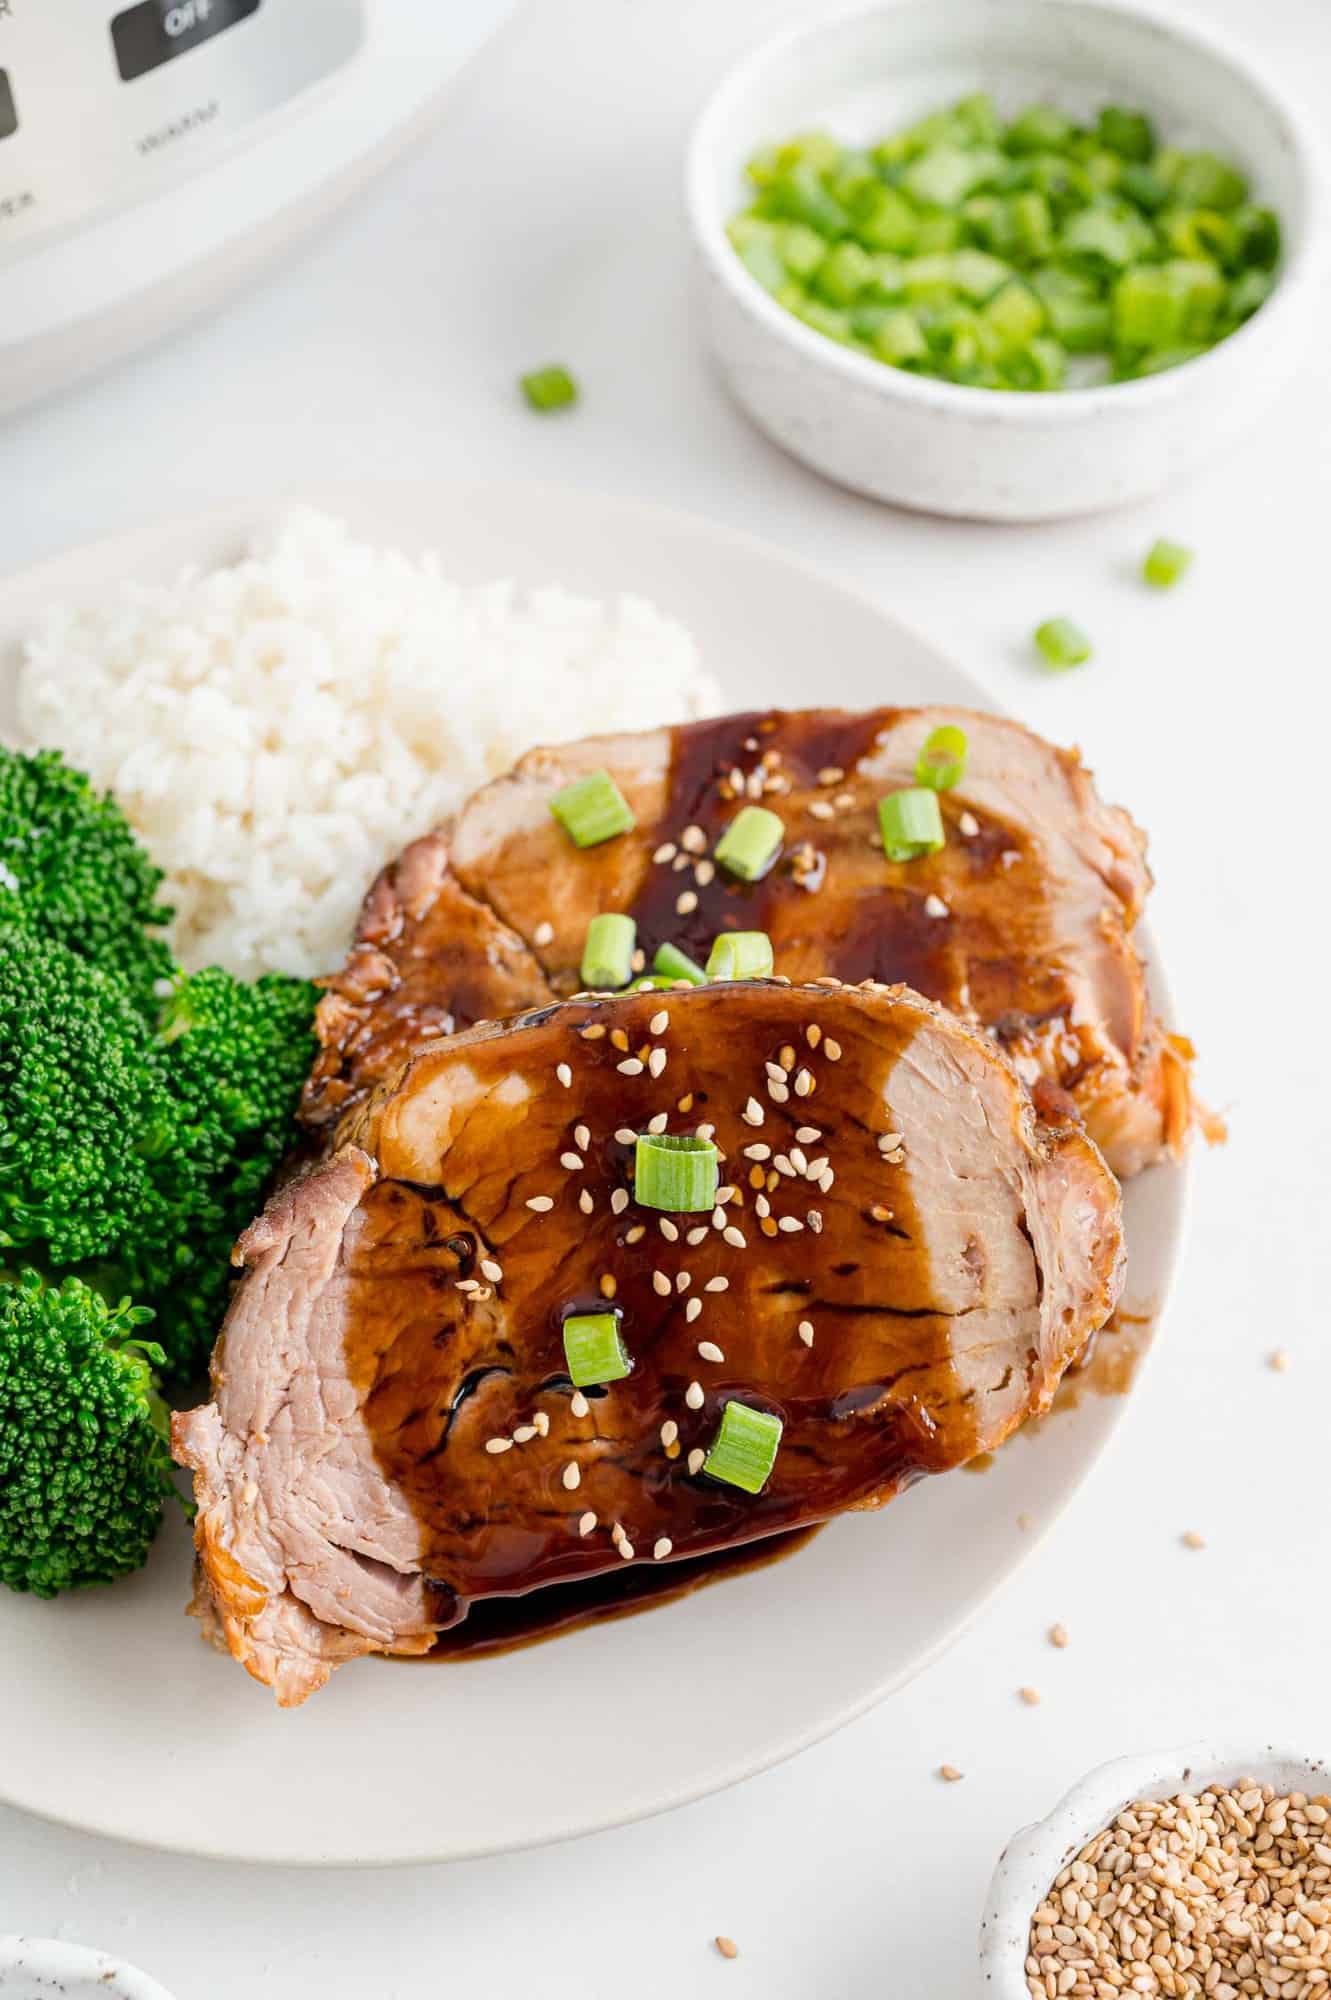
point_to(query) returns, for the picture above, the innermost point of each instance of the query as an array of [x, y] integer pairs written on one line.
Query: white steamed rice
[[279, 728]]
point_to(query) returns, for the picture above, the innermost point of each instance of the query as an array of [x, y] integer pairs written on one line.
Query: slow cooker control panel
[[101, 106]]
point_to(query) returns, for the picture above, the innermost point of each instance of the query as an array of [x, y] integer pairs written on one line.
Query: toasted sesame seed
[[708, 1349], [625, 1547], [630, 1066], [693, 840], [593, 1031], [726, 1946], [968, 825], [758, 1152], [626, 1136], [661, 1548], [524, 1434], [784, 1165], [585, 1202], [832, 1050], [495, 1445], [618, 1039], [735, 1237], [582, 1137], [686, 904], [718, 1217], [489, 1269], [762, 1206], [619, 1201], [659, 1023], [665, 852], [578, 1404], [617, 1533], [661, 1284], [1192, 1540], [696, 1460], [778, 1093], [889, 1142], [696, 1236], [880, 1214], [798, 1160], [466, 1285], [1030, 1695], [725, 1194], [586, 1523], [683, 1279], [950, 1773], [481, 1293], [680, 862], [656, 1061], [669, 1431], [572, 1161], [693, 1309], [717, 1285], [831, 774], [826, 1181], [790, 1224], [753, 1113], [814, 1219], [808, 1135], [805, 1083], [693, 1396], [659, 1122], [565, 1075], [705, 874], [667, 1228], [571, 1476], [543, 934], [934, 906], [636, 1234], [805, 1331], [541, 1421], [609, 1284], [1279, 1361], [1058, 1636], [704, 1131]]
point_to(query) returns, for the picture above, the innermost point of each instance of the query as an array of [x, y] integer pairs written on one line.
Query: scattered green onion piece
[[675, 1172], [651, 982], [1127, 133], [1062, 643], [741, 955], [751, 843], [593, 1349], [943, 759], [910, 823], [607, 956], [549, 388], [672, 964], [592, 809], [1165, 563], [745, 1447]]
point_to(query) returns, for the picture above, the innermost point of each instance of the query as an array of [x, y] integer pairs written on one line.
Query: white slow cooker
[[155, 153]]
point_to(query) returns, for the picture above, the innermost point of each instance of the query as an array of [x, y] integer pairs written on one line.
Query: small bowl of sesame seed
[[1193, 1872]]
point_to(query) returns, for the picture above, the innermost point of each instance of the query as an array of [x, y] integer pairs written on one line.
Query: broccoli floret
[[84, 1448], [234, 1058], [72, 869], [83, 1107]]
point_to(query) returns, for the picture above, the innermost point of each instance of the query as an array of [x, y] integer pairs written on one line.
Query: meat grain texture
[[401, 1308]]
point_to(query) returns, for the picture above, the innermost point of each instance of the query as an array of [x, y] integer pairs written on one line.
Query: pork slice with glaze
[[1022, 925], [902, 1261]]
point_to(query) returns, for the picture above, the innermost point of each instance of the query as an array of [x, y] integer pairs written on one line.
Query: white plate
[[117, 1719]]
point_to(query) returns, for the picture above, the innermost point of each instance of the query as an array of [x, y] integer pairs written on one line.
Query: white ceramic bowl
[[997, 454], [42, 1968], [1033, 1857]]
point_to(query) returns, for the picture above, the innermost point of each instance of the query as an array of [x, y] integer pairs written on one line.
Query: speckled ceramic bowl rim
[[72, 1969], [1303, 267], [1034, 1856]]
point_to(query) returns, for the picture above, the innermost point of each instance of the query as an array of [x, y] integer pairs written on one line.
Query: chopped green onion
[[1062, 643], [607, 956], [594, 1350], [592, 809], [741, 955], [672, 964], [675, 1172], [910, 823], [751, 843], [1127, 133], [1165, 563], [549, 388], [745, 1447], [943, 759]]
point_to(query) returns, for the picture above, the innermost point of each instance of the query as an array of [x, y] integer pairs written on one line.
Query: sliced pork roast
[[901, 1261], [1022, 924]]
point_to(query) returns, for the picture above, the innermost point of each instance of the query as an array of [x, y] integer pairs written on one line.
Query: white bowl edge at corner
[[1034, 1856], [33, 1968], [984, 453]]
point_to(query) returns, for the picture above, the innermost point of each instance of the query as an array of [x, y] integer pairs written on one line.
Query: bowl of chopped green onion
[[1013, 259]]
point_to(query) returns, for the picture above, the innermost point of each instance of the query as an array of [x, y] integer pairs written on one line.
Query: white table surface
[[543, 220]]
